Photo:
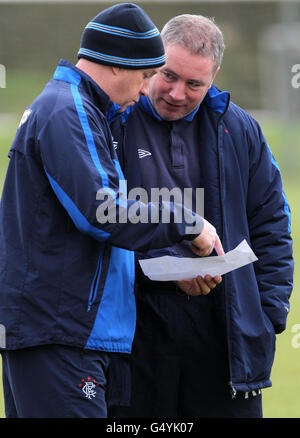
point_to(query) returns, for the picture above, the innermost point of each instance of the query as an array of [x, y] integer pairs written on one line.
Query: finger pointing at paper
[[207, 240]]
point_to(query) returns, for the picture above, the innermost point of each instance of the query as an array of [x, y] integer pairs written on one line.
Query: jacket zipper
[[233, 391], [95, 282]]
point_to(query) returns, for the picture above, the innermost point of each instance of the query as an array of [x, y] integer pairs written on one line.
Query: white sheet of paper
[[168, 268]]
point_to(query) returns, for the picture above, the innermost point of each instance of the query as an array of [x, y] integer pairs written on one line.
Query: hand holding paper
[[168, 268], [198, 285]]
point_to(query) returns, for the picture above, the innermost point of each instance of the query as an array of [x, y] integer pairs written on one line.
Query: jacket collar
[[68, 72], [217, 100]]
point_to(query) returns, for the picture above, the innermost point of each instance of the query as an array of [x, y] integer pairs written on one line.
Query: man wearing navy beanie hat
[[123, 39], [124, 36], [67, 254]]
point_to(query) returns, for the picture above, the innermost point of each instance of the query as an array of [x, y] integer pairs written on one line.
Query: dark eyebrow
[[168, 70], [196, 81]]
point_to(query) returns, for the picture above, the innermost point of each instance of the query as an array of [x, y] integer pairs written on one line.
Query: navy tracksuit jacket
[[221, 148], [65, 277]]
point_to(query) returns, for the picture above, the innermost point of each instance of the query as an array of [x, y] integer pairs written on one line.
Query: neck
[[101, 74]]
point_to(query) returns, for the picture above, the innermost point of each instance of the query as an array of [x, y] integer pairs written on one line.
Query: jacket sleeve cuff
[[195, 229]]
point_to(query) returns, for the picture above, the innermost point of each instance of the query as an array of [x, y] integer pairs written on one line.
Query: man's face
[[133, 84], [181, 84]]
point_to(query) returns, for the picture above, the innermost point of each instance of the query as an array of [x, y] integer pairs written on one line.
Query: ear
[[115, 70], [214, 76]]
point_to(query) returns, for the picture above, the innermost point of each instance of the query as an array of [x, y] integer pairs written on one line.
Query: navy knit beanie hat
[[124, 36]]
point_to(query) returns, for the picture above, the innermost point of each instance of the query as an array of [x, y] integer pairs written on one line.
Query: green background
[[260, 50]]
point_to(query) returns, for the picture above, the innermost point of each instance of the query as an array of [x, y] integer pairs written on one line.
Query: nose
[[144, 91], [177, 91]]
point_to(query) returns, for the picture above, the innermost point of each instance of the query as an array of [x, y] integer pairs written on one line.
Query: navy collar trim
[[67, 72]]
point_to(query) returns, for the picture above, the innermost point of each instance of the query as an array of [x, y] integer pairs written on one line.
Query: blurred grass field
[[280, 401]]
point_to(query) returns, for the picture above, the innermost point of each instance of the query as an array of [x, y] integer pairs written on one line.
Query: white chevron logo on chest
[[142, 153]]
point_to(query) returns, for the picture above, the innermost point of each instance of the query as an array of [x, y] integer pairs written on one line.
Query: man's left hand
[[199, 285]]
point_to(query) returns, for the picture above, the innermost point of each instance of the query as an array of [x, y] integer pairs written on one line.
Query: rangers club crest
[[88, 387]]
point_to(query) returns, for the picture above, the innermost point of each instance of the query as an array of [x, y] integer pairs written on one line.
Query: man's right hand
[[207, 240]]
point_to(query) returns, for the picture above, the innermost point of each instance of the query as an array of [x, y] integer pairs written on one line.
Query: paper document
[[168, 268]]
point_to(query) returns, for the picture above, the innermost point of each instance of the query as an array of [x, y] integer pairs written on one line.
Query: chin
[[170, 117]]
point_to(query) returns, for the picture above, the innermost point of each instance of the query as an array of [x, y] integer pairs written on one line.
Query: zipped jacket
[[243, 199], [66, 271]]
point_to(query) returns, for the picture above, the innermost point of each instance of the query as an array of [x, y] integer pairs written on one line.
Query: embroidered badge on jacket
[[88, 387]]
